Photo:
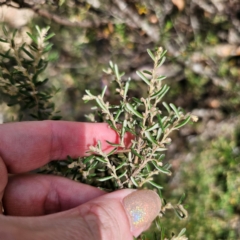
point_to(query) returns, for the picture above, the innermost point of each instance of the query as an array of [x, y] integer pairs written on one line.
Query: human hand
[[50, 207]]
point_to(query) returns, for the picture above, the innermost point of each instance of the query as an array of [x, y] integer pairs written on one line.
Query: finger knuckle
[[102, 222]]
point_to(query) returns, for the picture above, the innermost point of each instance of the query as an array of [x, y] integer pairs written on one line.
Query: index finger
[[25, 146]]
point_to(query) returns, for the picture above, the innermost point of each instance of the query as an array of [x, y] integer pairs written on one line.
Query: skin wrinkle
[[55, 141], [91, 219], [51, 142], [52, 199], [98, 213]]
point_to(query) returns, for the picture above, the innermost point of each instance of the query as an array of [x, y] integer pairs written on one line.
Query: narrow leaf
[[160, 122], [160, 169], [28, 53], [160, 78], [87, 159], [147, 72], [182, 232], [105, 178], [111, 64], [89, 93], [143, 77], [126, 89], [118, 114], [162, 61], [167, 107], [155, 126], [121, 165], [182, 198], [161, 92], [136, 153], [159, 134], [150, 137], [113, 144], [123, 174], [183, 122], [32, 37], [101, 104], [101, 160], [103, 91], [134, 182], [3, 40], [49, 36], [133, 111], [174, 109], [155, 185], [151, 54], [116, 71]]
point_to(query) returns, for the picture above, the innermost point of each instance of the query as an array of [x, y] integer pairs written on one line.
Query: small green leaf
[[113, 144], [89, 93], [126, 89], [49, 36], [133, 111], [160, 169], [167, 166], [101, 104], [142, 76], [27, 52], [182, 198], [151, 54], [38, 29], [174, 109], [136, 154], [161, 62], [161, 92], [183, 122], [155, 185], [88, 159], [150, 137], [47, 48], [134, 182], [101, 159], [155, 126], [3, 40], [111, 64], [182, 232], [160, 122], [121, 165], [103, 91], [160, 78], [167, 107], [136, 100], [118, 114], [116, 71], [32, 37], [105, 178], [163, 53], [147, 72], [123, 174]]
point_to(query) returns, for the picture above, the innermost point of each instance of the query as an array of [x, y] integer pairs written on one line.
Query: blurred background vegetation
[[203, 69]]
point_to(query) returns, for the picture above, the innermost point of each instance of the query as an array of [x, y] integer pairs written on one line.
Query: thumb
[[117, 216], [121, 214]]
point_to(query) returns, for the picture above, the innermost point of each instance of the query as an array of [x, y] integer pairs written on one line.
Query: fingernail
[[142, 207]]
